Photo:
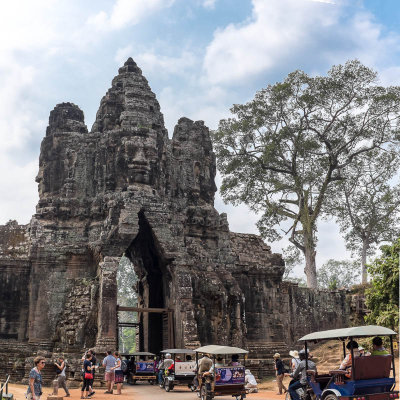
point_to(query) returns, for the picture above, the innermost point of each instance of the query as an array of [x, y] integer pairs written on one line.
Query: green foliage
[[335, 274], [126, 282], [282, 151], [383, 296]]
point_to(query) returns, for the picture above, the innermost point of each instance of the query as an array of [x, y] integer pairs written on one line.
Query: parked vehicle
[[143, 368], [182, 371], [226, 380], [370, 377]]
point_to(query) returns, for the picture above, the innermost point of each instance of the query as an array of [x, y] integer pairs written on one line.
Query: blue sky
[[199, 56]]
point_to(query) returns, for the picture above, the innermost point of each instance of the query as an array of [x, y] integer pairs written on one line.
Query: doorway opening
[[154, 319]]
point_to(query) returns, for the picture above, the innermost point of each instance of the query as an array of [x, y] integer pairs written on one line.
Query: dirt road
[[140, 392]]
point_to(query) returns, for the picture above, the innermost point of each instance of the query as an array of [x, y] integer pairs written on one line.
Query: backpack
[[124, 366]]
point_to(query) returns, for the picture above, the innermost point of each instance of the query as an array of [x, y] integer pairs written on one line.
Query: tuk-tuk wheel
[[330, 396]]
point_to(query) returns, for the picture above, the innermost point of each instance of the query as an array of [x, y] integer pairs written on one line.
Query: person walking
[[35, 379], [62, 378], [108, 364], [280, 373], [87, 376], [119, 374]]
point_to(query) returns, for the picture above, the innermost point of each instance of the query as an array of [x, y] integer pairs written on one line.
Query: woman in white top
[[119, 374], [61, 366], [295, 359]]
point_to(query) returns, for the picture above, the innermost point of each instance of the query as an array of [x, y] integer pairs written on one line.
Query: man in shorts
[[108, 363]]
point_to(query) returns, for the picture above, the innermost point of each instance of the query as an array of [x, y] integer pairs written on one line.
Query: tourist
[[119, 374], [346, 363], [363, 352], [250, 382], [280, 373], [109, 376], [300, 372], [62, 378], [295, 359], [234, 360], [378, 349], [35, 379], [87, 376], [93, 361]]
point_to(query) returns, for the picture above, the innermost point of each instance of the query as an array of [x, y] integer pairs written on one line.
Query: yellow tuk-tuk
[[225, 380]]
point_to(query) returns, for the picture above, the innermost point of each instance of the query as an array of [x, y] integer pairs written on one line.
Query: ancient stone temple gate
[[126, 188]]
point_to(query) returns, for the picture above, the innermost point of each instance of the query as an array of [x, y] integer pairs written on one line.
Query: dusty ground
[[141, 392]]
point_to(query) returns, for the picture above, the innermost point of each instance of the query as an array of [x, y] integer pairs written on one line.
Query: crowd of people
[[299, 367], [114, 374]]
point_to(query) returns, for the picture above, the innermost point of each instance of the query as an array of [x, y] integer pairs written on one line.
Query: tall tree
[[338, 274], [367, 203], [383, 296], [283, 150]]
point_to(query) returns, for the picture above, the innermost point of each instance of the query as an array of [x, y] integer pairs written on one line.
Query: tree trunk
[[364, 250], [309, 253]]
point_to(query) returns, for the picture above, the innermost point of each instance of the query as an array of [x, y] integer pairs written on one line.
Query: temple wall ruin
[[125, 188]]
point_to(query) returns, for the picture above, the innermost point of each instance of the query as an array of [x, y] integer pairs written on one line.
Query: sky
[[199, 56]]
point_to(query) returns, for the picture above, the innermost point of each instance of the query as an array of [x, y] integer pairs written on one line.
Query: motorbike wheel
[[203, 393]]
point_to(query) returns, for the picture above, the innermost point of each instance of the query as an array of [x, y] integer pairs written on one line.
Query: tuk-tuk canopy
[[216, 349], [178, 351], [355, 331], [142, 353]]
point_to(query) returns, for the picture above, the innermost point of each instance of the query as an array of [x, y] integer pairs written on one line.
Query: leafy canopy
[[383, 297], [282, 150], [335, 274]]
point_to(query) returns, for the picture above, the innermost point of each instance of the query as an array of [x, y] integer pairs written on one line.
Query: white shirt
[[249, 378]]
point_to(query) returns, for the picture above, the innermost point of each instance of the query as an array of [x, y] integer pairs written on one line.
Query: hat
[[277, 355], [294, 353], [360, 348], [247, 372]]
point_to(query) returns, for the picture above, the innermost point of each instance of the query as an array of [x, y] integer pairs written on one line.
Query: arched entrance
[[156, 320]]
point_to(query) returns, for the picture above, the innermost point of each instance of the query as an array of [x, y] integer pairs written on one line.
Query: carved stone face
[[141, 157]]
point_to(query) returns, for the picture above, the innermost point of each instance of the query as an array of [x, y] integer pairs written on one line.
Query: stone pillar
[[107, 314]]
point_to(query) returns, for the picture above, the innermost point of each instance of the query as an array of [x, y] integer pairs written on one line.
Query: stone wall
[[124, 187]]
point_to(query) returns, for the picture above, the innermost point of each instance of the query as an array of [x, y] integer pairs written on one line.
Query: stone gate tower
[[126, 188]]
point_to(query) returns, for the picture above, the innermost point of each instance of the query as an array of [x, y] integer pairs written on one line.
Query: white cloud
[[127, 12], [210, 4], [155, 63], [294, 32], [275, 29]]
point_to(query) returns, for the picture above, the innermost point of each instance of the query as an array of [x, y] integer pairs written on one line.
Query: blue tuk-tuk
[[226, 380], [369, 378]]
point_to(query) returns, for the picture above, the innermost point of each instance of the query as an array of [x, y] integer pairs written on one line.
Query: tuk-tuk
[[143, 368], [369, 377], [226, 380], [182, 371]]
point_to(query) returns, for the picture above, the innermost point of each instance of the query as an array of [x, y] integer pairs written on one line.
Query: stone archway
[[153, 291]]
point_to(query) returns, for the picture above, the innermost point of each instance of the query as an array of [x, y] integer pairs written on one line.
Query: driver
[[165, 364], [300, 371]]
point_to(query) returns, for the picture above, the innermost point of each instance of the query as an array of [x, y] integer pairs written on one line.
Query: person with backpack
[[61, 367]]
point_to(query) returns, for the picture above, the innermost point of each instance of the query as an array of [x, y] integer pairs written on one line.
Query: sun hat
[[360, 348], [294, 353], [247, 372], [277, 355]]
